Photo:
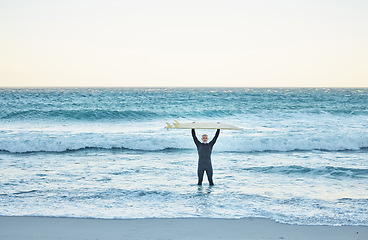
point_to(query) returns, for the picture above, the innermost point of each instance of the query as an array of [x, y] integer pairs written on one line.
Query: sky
[[184, 43]]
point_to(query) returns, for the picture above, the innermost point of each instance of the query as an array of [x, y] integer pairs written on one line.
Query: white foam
[[59, 141], [288, 132]]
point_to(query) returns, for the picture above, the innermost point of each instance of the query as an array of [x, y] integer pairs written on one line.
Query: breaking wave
[[158, 141]]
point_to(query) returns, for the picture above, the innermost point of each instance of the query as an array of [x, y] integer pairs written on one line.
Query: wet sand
[[39, 228]]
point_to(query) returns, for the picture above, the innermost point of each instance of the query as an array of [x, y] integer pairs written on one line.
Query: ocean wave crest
[[24, 142]]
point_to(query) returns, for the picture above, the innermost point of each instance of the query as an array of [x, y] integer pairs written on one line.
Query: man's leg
[[200, 175], [209, 172]]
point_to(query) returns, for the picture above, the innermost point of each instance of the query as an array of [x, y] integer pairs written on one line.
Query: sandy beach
[[17, 228]]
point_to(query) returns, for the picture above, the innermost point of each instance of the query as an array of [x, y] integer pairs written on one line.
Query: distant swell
[[83, 114], [100, 114]]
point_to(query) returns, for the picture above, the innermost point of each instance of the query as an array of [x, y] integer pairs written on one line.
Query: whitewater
[[104, 153]]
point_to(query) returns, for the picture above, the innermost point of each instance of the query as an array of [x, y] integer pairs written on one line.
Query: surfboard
[[202, 125]]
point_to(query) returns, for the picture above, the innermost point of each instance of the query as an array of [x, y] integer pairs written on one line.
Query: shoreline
[[28, 227]]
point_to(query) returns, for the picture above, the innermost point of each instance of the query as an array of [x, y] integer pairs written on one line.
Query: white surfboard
[[202, 125]]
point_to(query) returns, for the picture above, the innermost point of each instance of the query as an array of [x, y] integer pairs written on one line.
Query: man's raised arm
[[213, 141], [196, 141]]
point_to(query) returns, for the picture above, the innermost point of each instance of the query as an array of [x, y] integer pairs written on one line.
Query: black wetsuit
[[204, 153]]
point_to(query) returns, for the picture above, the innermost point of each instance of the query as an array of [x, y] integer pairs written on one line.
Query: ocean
[[104, 153]]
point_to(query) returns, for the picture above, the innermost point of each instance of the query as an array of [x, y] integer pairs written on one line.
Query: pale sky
[[214, 43]]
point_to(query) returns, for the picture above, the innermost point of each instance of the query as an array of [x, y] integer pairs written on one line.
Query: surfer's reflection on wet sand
[[202, 200]]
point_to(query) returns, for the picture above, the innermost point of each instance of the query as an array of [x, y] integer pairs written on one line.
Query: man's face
[[204, 138]]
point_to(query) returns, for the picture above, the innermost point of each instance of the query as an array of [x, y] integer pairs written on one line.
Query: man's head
[[204, 138]]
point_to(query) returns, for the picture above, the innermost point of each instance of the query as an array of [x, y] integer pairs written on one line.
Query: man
[[204, 153]]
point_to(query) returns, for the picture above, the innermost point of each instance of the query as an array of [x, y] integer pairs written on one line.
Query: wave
[[326, 170], [84, 114], [29, 141], [100, 114], [143, 104], [168, 149], [164, 112]]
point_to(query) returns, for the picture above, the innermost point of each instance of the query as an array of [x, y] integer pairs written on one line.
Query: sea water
[[104, 153]]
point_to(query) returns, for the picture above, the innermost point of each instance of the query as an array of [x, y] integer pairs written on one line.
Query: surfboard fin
[[176, 124], [168, 125]]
